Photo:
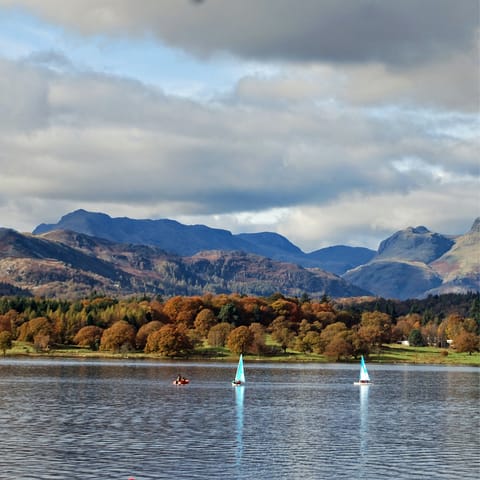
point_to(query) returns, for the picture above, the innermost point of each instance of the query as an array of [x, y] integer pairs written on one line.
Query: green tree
[[415, 339], [228, 313]]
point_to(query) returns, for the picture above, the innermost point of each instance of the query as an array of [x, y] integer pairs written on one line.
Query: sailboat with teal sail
[[240, 374], [364, 376]]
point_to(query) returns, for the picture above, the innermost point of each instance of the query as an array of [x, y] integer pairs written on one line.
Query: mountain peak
[[414, 244], [476, 226], [420, 230]]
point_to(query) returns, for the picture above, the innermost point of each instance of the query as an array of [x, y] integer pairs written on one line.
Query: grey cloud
[[386, 31], [23, 98]]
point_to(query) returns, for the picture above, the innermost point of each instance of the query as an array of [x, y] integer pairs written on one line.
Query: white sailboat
[[364, 376], [240, 374]]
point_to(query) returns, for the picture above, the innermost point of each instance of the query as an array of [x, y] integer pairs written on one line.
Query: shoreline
[[388, 355]]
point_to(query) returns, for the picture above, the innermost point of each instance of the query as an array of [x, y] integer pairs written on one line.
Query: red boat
[[181, 381]]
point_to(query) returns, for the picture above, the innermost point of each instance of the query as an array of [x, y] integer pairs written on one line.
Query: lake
[[99, 419]]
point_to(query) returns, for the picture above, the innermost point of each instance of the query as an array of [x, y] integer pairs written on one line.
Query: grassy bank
[[388, 354], [424, 355]]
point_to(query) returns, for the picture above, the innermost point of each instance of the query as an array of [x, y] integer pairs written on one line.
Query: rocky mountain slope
[[70, 264], [165, 256], [459, 267], [186, 240], [416, 262]]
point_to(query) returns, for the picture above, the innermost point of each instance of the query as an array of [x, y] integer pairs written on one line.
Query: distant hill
[[169, 235], [70, 265], [413, 262], [394, 279], [340, 258], [187, 240], [416, 262], [414, 244], [460, 266]]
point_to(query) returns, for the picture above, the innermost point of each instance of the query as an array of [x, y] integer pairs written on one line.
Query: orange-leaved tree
[[240, 339], [169, 341], [120, 336], [89, 336]]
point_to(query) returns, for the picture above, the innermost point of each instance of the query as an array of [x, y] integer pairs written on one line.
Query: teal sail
[[364, 376], [240, 374]]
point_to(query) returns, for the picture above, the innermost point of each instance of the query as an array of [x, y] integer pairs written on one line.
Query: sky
[[327, 121]]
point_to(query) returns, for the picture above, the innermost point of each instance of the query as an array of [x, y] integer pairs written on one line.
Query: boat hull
[[181, 382], [363, 383]]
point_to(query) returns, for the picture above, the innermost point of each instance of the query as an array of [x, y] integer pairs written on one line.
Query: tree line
[[180, 325]]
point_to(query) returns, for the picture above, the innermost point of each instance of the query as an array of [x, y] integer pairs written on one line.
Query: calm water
[[69, 419]]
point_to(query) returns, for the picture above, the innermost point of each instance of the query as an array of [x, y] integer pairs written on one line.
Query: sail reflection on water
[[364, 420], [239, 394]]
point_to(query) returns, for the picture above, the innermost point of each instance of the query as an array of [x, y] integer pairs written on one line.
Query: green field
[[388, 354], [424, 355]]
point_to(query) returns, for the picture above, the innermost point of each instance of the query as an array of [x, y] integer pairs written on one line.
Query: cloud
[[361, 119], [403, 32], [83, 138]]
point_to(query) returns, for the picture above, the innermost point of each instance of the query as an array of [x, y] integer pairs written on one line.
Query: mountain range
[[88, 251], [186, 240]]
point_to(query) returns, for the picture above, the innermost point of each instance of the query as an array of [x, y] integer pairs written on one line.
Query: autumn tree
[[89, 336], [120, 336], [338, 347], [466, 342], [218, 334], [451, 326], [36, 326], [5, 323], [10, 321], [375, 328], [42, 342], [204, 321], [258, 342], [308, 343], [430, 333], [359, 345], [288, 309], [240, 339], [404, 326], [182, 310], [329, 333], [5, 341], [169, 341], [144, 331], [282, 333]]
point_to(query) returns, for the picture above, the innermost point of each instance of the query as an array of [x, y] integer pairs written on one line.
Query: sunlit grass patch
[[427, 355]]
